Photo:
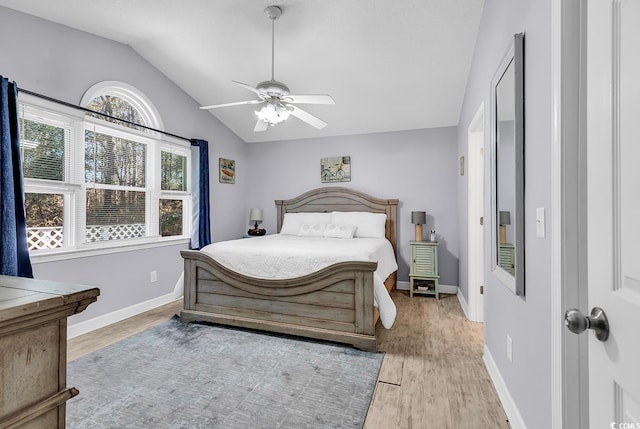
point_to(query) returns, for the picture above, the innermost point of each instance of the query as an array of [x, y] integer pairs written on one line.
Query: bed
[[334, 303]]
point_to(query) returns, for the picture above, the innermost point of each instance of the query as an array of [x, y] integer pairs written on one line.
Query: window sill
[[88, 250]]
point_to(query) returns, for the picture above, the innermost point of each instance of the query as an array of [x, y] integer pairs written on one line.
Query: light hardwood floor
[[87, 343], [432, 375]]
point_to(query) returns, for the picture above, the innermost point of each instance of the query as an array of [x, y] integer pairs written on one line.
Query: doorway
[[475, 207]]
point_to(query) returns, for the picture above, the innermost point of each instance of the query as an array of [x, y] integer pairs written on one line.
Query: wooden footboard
[[335, 303]]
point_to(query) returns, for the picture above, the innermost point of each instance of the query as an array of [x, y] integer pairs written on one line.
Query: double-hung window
[[96, 181], [173, 190]]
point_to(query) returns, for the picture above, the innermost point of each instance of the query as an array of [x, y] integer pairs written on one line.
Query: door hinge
[[481, 290], [481, 220]]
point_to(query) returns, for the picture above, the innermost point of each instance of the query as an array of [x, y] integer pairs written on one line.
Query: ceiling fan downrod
[[273, 12], [272, 87]]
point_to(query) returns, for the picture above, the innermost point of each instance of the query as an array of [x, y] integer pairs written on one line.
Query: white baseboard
[[509, 405], [118, 315], [452, 289], [463, 304]]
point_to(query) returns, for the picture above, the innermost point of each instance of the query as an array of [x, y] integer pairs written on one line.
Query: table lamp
[[505, 219], [256, 216], [418, 219]]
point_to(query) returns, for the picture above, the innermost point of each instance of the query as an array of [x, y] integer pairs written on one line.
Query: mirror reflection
[[505, 168]]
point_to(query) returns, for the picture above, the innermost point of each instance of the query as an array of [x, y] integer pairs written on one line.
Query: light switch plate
[[540, 228]]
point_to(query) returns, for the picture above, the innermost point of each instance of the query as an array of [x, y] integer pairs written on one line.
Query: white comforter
[[286, 256]]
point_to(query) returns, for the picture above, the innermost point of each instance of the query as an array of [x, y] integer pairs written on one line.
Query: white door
[[613, 183], [475, 203]]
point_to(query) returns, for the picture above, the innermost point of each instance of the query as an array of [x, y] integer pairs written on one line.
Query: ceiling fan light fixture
[[273, 113]]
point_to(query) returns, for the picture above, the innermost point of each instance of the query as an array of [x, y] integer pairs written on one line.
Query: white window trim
[[96, 249]]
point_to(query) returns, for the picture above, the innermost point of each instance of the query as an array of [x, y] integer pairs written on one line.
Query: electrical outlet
[[153, 277], [509, 348]]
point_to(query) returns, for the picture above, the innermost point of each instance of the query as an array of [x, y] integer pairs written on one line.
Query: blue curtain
[[14, 251], [202, 211]]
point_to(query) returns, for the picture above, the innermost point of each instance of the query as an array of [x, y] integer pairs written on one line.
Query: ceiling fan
[[278, 102]]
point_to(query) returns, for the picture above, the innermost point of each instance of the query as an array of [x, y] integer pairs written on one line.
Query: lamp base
[[418, 232], [257, 231], [503, 234]]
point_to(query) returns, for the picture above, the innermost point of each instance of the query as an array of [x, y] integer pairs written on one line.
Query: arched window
[[123, 101], [116, 107]]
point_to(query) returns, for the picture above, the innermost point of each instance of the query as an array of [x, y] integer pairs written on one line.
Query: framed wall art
[[227, 171], [335, 169]]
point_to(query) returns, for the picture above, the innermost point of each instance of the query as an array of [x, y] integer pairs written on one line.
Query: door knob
[[578, 323]]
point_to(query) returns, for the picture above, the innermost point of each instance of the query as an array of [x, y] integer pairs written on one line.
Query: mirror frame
[[515, 282]]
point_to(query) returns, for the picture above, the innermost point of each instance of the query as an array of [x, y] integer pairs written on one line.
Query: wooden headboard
[[340, 199]]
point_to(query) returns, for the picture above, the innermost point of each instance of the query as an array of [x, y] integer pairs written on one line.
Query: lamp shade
[[505, 218], [418, 218], [255, 215]]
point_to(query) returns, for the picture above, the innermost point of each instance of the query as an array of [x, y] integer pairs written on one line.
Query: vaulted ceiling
[[389, 65]]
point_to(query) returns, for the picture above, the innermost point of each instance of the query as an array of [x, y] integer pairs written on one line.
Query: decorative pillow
[[334, 230], [368, 225], [292, 221], [312, 229]]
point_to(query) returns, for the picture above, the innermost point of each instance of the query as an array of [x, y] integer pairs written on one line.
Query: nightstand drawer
[[424, 261], [423, 252], [423, 267]]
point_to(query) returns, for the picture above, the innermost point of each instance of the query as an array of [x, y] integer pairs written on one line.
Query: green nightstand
[[506, 258], [423, 273]]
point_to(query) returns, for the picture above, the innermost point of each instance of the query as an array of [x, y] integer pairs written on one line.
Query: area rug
[[195, 375]]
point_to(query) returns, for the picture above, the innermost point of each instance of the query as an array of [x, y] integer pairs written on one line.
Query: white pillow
[[292, 221], [312, 229], [335, 230], [368, 225]]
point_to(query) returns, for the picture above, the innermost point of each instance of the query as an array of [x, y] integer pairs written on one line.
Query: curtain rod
[[75, 106]]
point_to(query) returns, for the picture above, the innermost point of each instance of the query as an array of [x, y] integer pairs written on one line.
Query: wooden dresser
[[33, 350]]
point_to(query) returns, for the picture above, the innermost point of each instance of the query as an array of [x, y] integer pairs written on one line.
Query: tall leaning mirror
[[507, 168]]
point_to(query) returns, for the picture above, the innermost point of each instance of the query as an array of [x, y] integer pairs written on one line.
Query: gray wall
[[63, 63], [418, 167], [527, 321]]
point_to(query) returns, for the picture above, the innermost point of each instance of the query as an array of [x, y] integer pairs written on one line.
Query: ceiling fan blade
[[307, 117], [260, 126], [310, 99], [237, 103], [249, 87]]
